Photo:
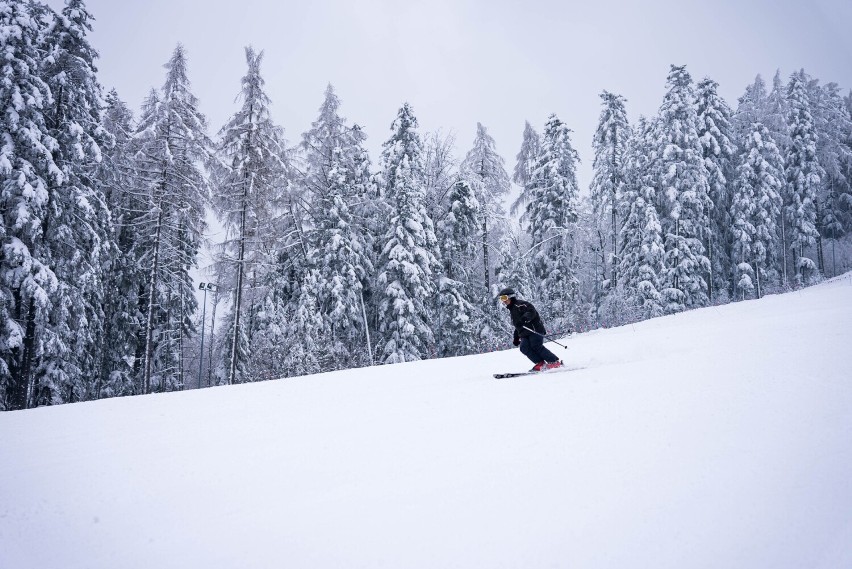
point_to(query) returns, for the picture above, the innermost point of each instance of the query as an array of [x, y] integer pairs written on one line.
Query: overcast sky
[[459, 62]]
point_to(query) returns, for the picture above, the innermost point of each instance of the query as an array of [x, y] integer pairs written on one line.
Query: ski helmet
[[508, 291]]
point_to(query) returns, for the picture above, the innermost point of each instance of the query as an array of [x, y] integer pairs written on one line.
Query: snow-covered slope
[[718, 438]]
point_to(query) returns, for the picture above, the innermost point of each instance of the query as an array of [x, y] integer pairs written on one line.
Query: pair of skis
[[545, 372]]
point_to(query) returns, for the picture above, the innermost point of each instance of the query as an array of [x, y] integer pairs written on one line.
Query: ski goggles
[[503, 297]]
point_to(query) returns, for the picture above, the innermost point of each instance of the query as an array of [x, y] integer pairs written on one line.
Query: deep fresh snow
[[718, 438]]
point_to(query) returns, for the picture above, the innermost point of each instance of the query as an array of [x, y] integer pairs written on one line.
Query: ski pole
[[545, 336]]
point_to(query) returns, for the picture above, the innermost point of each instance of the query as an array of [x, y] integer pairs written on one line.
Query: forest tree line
[[332, 262]]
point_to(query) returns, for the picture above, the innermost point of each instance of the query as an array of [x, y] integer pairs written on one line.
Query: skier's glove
[[516, 341]]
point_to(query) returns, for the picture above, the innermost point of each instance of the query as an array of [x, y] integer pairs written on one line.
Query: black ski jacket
[[524, 315]]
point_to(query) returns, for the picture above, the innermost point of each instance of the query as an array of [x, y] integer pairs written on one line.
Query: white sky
[[459, 62]]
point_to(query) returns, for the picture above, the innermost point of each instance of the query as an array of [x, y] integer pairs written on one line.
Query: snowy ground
[[719, 438]]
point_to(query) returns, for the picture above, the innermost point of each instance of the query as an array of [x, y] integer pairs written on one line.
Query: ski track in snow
[[719, 437]]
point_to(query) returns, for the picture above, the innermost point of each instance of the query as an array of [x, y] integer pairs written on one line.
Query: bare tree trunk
[[20, 389], [820, 254], [485, 259], [757, 276], [710, 274], [614, 270], [784, 248], [833, 258], [238, 293], [366, 328], [212, 335], [149, 326]]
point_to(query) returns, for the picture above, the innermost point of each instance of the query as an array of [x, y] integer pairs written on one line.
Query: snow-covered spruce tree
[[742, 211], [643, 252], [775, 112], [485, 171], [28, 173], [751, 107], [249, 196], [125, 278], [550, 219], [457, 232], [755, 210], [171, 145], [407, 265], [833, 126], [803, 176], [340, 249], [78, 231], [716, 136], [524, 165], [608, 173], [686, 199]]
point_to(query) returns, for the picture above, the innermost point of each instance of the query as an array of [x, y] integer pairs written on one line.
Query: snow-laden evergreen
[[524, 166], [406, 269], [550, 220], [171, 146], [716, 135], [125, 278], [755, 211], [337, 181], [78, 231], [775, 111], [28, 282], [833, 127], [685, 196], [458, 234], [803, 176], [249, 198], [608, 173], [750, 107], [643, 251]]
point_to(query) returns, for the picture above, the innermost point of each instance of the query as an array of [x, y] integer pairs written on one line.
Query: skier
[[529, 331]]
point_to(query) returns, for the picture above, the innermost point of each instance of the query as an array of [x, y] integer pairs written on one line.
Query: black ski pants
[[532, 346]]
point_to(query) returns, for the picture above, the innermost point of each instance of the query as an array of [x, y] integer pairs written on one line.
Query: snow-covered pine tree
[[485, 171], [336, 180], [457, 232], [716, 136], [524, 165], [78, 231], [27, 173], [249, 198], [124, 278], [775, 112], [742, 210], [751, 107], [307, 329], [643, 252], [686, 198], [407, 266], [755, 210], [171, 145], [550, 219], [608, 173], [833, 126], [803, 176]]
